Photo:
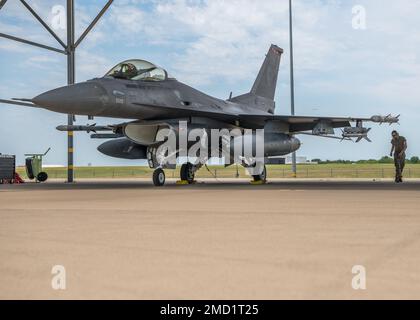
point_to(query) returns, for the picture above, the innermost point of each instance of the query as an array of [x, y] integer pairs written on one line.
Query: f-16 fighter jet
[[152, 102]]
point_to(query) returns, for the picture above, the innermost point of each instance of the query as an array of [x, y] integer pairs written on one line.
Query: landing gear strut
[[158, 162], [262, 177], [258, 171], [159, 177]]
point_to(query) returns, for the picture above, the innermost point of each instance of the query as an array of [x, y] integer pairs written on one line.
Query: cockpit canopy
[[137, 70]]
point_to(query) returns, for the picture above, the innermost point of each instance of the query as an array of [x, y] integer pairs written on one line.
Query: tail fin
[[264, 88], [266, 82]]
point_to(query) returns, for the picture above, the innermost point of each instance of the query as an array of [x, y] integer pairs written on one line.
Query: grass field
[[274, 171]]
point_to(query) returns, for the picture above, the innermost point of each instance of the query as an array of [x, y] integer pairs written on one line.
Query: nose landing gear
[[159, 177], [159, 162]]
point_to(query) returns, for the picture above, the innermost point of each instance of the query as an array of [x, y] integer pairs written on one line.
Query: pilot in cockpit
[[127, 71]]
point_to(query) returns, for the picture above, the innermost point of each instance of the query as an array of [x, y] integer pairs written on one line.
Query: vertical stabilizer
[[264, 89], [266, 82]]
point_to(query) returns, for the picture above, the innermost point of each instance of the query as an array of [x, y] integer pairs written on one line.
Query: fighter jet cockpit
[[139, 70]]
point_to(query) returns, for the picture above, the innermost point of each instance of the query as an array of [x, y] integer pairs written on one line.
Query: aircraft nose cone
[[87, 98]]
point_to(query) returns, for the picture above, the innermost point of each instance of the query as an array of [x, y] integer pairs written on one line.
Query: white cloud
[[90, 65], [226, 40]]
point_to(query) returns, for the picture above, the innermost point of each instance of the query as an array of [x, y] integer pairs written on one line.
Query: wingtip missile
[[386, 119]]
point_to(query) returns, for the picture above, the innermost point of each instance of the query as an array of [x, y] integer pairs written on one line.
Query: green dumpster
[[33, 164]]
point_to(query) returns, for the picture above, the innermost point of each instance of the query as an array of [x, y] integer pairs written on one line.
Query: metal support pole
[[32, 43], [2, 3], [292, 81], [43, 23], [92, 24], [70, 80], [70, 49]]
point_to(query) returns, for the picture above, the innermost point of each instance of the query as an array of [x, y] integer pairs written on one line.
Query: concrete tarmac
[[290, 239]]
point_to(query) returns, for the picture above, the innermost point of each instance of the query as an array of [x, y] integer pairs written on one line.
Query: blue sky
[[218, 47]]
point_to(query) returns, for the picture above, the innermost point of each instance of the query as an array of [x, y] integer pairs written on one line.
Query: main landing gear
[[262, 177], [258, 172], [161, 161], [187, 173]]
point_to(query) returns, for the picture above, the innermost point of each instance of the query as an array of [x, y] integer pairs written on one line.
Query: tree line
[[385, 159]]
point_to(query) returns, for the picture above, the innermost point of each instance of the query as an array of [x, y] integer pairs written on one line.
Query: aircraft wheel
[[159, 177], [187, 173], [262, 176], [42, 177]]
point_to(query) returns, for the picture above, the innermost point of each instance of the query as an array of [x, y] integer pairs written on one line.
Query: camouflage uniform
[[399, 160]]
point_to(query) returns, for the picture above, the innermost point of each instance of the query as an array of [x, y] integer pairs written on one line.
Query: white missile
[[385, 119]]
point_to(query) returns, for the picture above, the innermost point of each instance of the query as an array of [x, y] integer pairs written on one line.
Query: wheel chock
[[182, 182], [257, 183], [185, 182]]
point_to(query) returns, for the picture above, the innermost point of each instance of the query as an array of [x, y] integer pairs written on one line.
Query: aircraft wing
[[298, 123], [303, 123], [295, 123]]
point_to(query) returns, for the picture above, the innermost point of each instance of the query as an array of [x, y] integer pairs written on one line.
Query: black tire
[[186, 173], [159, 177], [183, 172], [262, 176], [42, 177], [29, 169]]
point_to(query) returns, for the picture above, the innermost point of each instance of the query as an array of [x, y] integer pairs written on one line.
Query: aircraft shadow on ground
[[231, 185]]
